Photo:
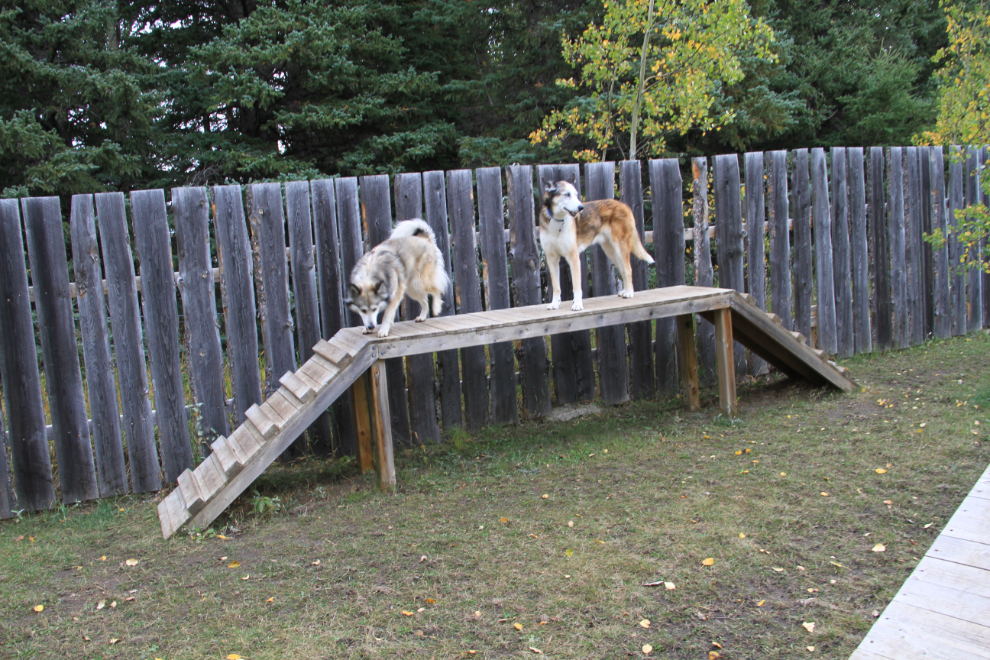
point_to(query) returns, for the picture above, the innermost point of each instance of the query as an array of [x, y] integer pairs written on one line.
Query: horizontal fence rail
[[166, 355]]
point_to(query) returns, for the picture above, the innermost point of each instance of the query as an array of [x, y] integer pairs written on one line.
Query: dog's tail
[[417, 227], [639, 250]]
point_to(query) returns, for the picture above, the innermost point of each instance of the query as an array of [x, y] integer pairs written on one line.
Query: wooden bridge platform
[[943, 610], [339, 363]]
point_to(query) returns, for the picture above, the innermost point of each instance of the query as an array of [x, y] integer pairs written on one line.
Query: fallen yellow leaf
[[271, 600], [824, 494], [809, 626], [647, 649], [741, 535], [234, 656], [810, 648], [879, 547], [545, 496], [131, 562], [568, 552], [760, 604], [246, 577], [103, 558], [880, 471], [517, 626], [670, 586], [221, 537], [535, 650], [38, 608], [430, 601], [708, 562], [408, 613], [645, 623], [714, 655], [503, 520], [233, 564]]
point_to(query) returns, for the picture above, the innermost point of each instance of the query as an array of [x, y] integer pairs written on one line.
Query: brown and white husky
[[568, 226]]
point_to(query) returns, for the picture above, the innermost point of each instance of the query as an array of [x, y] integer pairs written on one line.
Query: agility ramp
[[268, 429]]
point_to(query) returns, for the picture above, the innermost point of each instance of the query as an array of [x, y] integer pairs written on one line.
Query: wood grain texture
[[756, 257], [723, 352], [330, 280], [420, 368], [31, 466], [613, 364], [803, 275], [525, 260], [845, 343], [780, 241], [237, 293], [8, 501], [859, 252], [957, 278], [448, 365], [376, 216], [305, 295], [942, 319], [880, 253], [688, 362], [704, 272], [985, 284], [128, 346], [729, 235], [384, 461], [573, 366], [914, 202], [898, 245], [825, 277], [494, 261], [974, 276], [927, 255], [111, 468], [158, 295], [467, 293], [191, 211], [642, 378], [668, 252]]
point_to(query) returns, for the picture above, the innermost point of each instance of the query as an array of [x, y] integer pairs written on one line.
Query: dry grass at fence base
[[560, 540]]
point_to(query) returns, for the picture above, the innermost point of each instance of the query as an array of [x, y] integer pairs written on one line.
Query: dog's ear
[[379, 285], [572, 180], [551, 188], [353, 292]]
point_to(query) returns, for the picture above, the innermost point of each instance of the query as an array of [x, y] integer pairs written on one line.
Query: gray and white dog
[[410, 264]]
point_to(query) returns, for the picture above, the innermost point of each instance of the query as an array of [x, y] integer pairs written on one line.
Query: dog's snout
[[580, 207]]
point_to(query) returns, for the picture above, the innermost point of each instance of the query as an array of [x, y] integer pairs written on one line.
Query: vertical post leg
[[689, 362], [362, 423], [384, 459], [726, 364]]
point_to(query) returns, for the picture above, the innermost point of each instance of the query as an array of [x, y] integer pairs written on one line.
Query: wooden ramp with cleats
[[268, 429]]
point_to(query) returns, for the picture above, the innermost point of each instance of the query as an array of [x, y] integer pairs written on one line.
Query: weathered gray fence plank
[[467, 291], [957, 278], [305, 297], [448, 367], [526, 285], [111, 468], [237, 293], [825, 278], [128, 349], [191, 211], [30, 462], [880, 249], [151, 236], [985, 284], [491, 221], [927, 256], [643, 381], [756, 257], [330, 291], [974, 197], [803, 276], [668, 253], [862, 334], [573, 365], [842, 263], [376, 214], [422, 395], [913, 204], [729, 235], [7, 501], [613, 367], [780, 240], [67, 401], [898, 250], [942, 303], [704, 273]]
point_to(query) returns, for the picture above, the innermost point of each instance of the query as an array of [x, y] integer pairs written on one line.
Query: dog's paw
[[554, 305], [367, 331], [420, 318], [577, 306], [625, 294], [383, 331]]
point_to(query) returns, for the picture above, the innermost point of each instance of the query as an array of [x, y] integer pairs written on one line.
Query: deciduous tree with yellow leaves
[[651, 69]]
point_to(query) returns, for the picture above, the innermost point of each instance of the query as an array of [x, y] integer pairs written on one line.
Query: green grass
[[479, 536]]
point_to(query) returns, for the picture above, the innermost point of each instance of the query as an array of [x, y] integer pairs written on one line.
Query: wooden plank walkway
[[943, 610], [237, 460]]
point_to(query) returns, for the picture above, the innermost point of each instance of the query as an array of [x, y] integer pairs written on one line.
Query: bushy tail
[[417, 227], [640, 252]]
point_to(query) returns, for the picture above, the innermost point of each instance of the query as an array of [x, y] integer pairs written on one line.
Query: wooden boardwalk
[[943, 610], [270, 428]]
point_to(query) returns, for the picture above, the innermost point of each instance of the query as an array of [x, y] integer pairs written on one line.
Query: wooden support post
[[384, 460], [688, 361], [726, 365], [362, 423]]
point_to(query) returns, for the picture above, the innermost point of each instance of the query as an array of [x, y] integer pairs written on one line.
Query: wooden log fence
[[832, 239]]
